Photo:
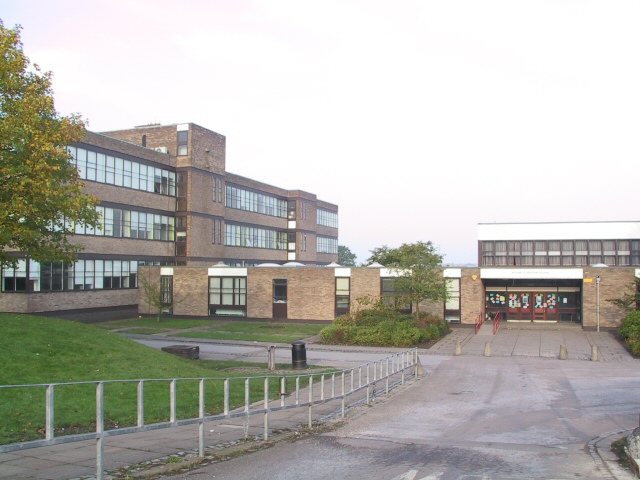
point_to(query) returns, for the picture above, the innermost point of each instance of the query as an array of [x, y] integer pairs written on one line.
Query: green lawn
[[44, 350], [219, 329]]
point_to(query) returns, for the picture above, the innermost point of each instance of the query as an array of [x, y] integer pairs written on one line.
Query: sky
[[419, 119]]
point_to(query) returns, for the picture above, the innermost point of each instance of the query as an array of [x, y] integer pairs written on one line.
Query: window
[[567, 246], [452, 305], [554, 246], [327, 218], [541, 246], [595, 246], [183, 142], [79, 275], [342, 295], [527, 246], [567, 260], [112, 170], [389, 297], [227, 296], [115, 222], [501, 248], [581, 245], [487, 247], [241, 199], [166, 290], [254, 237], [327, 245]]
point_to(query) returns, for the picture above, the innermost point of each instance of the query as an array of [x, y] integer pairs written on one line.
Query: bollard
[[271, 357], [458, 348], [487, 349], [563, 352], [594, 353]]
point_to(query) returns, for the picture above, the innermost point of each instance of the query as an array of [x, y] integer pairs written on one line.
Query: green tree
[[629, 301], [419, 269], [345, 257], [39, 187]]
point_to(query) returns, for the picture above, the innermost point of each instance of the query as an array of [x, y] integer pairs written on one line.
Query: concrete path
[[453, 384]]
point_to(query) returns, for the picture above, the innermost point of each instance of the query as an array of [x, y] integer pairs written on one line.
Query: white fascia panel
[[532, 273], [559, 231], [183, 127], [452, 273], [227, 272], [391, 272], [166, 271], [343, 272]]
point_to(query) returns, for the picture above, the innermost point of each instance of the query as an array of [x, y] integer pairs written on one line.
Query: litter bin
[[298, 355]]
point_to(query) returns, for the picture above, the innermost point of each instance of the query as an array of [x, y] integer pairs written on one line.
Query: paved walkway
[[544, 341], [177, 444]]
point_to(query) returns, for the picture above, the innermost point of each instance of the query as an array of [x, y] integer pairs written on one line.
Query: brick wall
[[614, 282], [471, 295], [310, 292]]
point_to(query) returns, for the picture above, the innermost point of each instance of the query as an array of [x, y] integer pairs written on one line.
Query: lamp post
[[598, 299]]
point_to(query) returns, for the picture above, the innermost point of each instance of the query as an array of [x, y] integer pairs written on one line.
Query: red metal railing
[[479, 320], [496, 323]]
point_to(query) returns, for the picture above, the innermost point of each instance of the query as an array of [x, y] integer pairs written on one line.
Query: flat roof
[[559, 231]]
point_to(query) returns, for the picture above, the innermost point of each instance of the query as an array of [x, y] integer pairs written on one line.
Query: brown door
[[279, 299]]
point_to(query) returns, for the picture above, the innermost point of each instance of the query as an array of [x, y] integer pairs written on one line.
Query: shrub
[[383, 326], [630, 331]]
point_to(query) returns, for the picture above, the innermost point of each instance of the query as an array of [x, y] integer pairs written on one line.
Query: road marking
[[411, 475]]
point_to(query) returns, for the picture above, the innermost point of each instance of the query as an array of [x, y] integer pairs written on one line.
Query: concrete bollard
[[563, 352], [487, 349], [271, 357], [594, 353], [458, 348]]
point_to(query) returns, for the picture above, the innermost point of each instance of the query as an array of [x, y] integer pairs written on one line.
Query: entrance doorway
[[279, 299], [541, 301]]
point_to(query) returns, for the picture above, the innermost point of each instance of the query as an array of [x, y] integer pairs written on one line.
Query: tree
[[159, 295], [629, 301], [40, 193], [345, 257], [418, 266]]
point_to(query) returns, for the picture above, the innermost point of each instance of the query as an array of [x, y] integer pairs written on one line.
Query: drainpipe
[[598, 299]]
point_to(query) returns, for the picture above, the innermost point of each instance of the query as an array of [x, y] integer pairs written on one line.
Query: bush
[[384, 327], [630, 331]]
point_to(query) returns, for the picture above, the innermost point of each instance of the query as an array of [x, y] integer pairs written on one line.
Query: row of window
[[102, 168], [327, 218], [564, 246], [255, 202], [560, 260], [327, 245], [254, 237], [116, 222], [31, 276]]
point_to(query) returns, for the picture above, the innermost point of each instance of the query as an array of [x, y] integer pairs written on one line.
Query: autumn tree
[[39, 186], [345, 257], [419, 269]]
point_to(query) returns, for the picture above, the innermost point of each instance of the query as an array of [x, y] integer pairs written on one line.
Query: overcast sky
[[420, 119]]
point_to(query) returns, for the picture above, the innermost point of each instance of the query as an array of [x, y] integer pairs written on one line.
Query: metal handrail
[[383, 369], [496, 322]]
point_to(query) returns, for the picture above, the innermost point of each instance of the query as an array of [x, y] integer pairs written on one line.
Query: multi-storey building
[[167, 199]]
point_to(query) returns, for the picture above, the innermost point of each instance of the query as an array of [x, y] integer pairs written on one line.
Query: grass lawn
[[258, 332], [43, 350], [168, 323], [219, 329]]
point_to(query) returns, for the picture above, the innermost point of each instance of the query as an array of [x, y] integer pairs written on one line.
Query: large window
[[254, 237], [327, 245], [327, 218], [102, 168], [228, 296], [31, 276], [343, 285], [116, 222], [256, 202], [452, 305]]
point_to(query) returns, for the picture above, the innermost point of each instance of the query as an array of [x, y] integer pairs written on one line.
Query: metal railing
[[496, 322], [349, 382]]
